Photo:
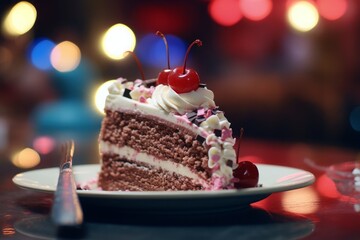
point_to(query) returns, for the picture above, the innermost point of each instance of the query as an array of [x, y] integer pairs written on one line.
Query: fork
[[66, 209]]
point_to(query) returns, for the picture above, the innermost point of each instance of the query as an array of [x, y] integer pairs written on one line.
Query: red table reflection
[[318, 211]]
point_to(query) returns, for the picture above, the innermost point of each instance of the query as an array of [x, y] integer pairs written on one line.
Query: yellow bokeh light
[[117, 40], [100, 95], [20, 19], [26, 158], [303, 16], [301, 201], [65, 56]]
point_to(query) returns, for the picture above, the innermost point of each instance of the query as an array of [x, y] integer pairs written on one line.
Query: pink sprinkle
[[216, 158], [182, 118], [208, 113], [226, 133], [217, 183], [216, 167], [142, 99], [200, 111]]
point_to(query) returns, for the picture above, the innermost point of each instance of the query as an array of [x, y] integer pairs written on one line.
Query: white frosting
[[164, 97], [167, 105]]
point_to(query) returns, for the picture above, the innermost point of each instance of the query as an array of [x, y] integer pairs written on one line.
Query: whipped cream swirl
[[164, 97]]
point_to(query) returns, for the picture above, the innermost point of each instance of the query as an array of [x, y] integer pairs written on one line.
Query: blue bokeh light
[[354, 119], [151, 51], [40, 52]]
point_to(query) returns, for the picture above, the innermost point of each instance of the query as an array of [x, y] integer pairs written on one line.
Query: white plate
[[272, 178]]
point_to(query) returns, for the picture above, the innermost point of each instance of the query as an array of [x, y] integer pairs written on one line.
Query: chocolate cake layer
[[156, 137], [121, 174]]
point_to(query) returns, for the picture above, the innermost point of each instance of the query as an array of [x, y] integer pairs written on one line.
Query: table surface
[[318, 211]]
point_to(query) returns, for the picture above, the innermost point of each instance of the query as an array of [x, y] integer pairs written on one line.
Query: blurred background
[[284, 70]]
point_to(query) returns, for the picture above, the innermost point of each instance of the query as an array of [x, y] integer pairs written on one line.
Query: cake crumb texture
[[121, 174], [156, 137]]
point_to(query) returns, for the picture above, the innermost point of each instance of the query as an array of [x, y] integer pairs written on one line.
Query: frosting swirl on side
[[164, 97]]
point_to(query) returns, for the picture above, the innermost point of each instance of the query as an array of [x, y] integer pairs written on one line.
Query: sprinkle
[[216, 157], [200, 139], [182, 118], [199, 120], [217, 132], [226, 133], [218, 183], [191, 116], [215, 110], [208, 113], [142, 99], [216, 167], [127, 93], [202, 85], [200, 111], [229, 163]]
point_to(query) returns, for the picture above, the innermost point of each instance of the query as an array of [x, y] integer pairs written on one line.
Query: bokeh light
[[326, 187], [65, 56], [117, 40], [44, 144], [100, 95], [151, 51], [20, 19], [293, 201], [7, 230], [26, 158], [332, 9], [302, 15], [255, 10], [225, 12], [354, 119], [40, 52]]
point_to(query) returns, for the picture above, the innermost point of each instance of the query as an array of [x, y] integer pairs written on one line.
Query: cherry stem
[[197, 42], [239, 143], [138, 64], [166, 46]]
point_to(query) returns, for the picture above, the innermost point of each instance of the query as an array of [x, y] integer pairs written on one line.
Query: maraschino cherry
[[163, 75], [246, 174], [183, 80]]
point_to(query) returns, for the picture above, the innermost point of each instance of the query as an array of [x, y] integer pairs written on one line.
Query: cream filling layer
[[130, 153]]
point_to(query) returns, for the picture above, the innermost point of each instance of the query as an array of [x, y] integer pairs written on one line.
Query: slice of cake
[[171, 136], [156, 139]]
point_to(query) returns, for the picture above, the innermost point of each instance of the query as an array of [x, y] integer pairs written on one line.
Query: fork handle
[[66, 210]]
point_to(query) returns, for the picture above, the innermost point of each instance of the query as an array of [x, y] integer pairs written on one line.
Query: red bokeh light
[[44, 144], [326, 187], [332, 9], [225, 12], [255, 10]]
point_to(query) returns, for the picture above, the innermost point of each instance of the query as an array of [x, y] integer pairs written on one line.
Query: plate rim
[[310, 179]]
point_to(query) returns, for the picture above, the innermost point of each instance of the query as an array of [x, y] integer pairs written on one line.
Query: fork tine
[[66, 209], [67, 149]]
